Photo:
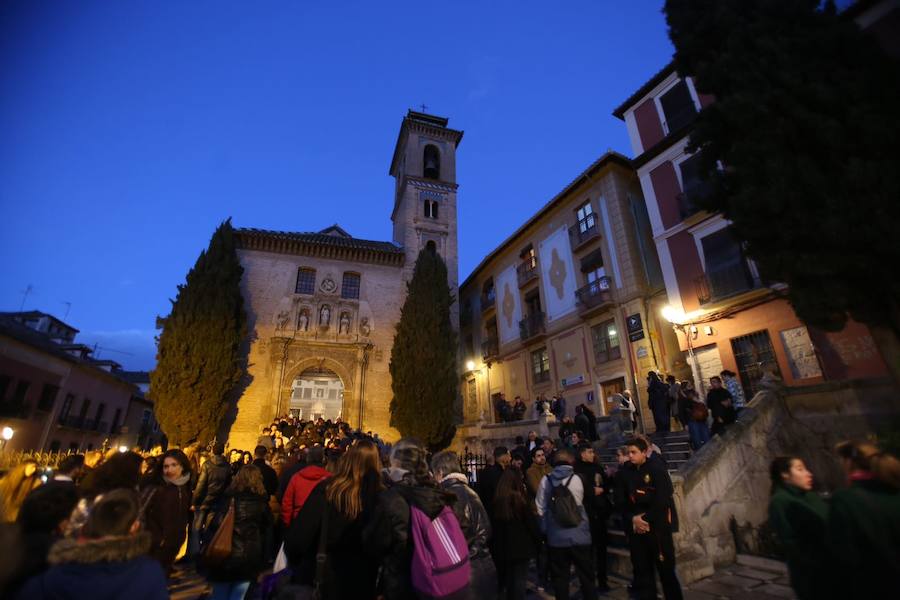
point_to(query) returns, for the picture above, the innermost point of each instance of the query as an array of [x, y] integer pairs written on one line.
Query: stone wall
[[728, 478]]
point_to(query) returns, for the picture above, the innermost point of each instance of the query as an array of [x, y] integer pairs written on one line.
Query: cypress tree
[[423, 359], [805, 123], [199, 359]]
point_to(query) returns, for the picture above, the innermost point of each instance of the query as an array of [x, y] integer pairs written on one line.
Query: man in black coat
[[658, 399], [597, 504], [270, 477], [650, 519], [490, 477], [721, 406], [215, 475]]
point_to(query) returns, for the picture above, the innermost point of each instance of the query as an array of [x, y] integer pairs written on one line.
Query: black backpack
[[562, 504]]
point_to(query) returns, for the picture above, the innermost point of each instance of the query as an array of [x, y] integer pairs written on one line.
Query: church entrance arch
[[317, 392]]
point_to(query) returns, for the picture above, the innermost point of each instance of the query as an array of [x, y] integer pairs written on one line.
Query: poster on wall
[[800, 353], [557, 274], [509, 309]]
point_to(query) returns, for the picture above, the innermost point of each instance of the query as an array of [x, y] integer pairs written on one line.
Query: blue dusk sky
[[129, 130]]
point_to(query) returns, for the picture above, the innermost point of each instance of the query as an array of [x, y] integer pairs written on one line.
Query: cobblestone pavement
[[750, 578]]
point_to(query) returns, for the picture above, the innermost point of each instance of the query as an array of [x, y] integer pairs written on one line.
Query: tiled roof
[[319, 244], [36, 314], [619, 112]]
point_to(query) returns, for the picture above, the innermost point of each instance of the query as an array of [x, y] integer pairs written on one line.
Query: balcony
[[532, 326], [101, 427], [596, 294], [490, 349], [724, 282], [488, 299], [584, 231], [527, 271]]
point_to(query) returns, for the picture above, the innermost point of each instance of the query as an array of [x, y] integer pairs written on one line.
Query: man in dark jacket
[[658, 399], [270, 477], [473, 519], [649, 513], [597, 504], [721, 406], [582, 423], [215, 475], [108, 562], [490, 477]]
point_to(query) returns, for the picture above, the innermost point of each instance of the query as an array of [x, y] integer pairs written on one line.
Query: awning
[[592, 261]]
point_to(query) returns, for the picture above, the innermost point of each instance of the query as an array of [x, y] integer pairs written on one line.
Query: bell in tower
[[432, 163]]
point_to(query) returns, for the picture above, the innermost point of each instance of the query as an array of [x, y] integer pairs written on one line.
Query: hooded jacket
[[387, 535], [298, 490], [558, 536], [107, 568]]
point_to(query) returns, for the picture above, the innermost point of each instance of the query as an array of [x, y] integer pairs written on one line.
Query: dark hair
[[563, 456], [716, 378], [535, 450], [112, 515], [70, 463], [315, 456], [519, 440], [510, 501], [260, 452], [780, 466], [583, 445], [218, 448], [46, 506], [638, 442], [121, 470], [500, 451], [866, 456], [176, 454]]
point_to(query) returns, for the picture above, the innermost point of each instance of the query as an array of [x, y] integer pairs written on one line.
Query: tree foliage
[[199, 359], [423, 359], [805, 123]]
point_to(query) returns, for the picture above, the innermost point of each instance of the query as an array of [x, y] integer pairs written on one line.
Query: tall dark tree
[[423, 360], [805, 121], [199, 359]]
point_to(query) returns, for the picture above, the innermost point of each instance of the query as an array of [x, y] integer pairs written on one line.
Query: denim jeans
[[699, 432], [229, 590]]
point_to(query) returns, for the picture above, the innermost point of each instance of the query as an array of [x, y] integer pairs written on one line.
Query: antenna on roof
[[25, 293], [68, 308], [98, 347]]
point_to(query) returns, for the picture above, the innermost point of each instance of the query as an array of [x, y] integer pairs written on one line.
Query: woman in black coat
[[347, 498], [517, 534], [167, 507], [252, 517]]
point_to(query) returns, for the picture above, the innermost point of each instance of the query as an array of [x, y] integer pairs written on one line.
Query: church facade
[[322, 306]]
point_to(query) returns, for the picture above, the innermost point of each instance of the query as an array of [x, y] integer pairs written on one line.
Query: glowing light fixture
[[470, 365], [7, 433]]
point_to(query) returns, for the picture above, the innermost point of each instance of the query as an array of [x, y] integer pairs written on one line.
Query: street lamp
[[123, 449], [470, 365], [6, 434]]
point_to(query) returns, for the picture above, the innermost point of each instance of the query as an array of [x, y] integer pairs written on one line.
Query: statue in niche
[[364, 328], [282, 319], [344, 323], [325, 316], [303, 320]]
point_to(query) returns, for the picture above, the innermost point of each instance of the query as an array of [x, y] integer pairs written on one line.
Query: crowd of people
[[338, 511]]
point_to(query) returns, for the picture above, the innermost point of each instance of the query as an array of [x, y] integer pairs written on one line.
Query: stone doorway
[[317, 392]]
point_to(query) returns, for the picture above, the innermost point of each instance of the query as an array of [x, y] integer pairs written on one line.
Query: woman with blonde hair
[[232, 577], [863, 529], [341, 506]]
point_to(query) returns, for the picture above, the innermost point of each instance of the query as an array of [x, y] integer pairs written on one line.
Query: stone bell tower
[[424, 215]]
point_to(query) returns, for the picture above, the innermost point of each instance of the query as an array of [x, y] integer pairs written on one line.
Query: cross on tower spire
[[423, 107]]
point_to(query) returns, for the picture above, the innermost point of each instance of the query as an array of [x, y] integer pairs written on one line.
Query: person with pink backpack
[[415, 534]]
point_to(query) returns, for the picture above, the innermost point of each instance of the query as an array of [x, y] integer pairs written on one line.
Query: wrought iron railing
[[723, 282], [527, 270], [584, 231], [531, 326], [596, 293]]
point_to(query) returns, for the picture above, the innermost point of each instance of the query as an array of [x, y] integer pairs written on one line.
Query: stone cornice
[[296, 244]]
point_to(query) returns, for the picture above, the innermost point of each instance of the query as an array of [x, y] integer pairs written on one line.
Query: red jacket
[[302, 483]]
